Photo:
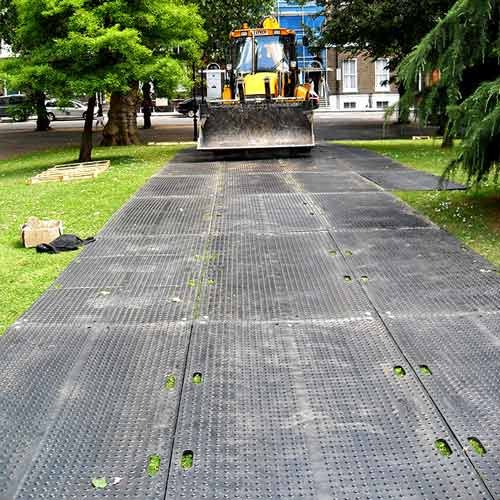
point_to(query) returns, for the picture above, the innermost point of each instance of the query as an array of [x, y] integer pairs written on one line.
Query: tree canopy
[[380, 28], [80, 47], [464, 47], [222, 17], [7, 19]]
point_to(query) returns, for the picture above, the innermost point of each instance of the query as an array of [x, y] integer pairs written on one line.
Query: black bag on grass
[[63, 243]]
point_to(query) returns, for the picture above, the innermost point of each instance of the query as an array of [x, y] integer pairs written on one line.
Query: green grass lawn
[[83, 206], [472, 216]]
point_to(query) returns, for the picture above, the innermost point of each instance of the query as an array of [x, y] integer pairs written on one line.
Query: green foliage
[[7, 19], [82, 46], [154, 462], [99, 483], [222, 17], [477, 119], [465, 47], [380, 28]]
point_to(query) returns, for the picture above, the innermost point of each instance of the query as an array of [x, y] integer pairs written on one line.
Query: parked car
[[9, 102], [68, 110], [186, 107]]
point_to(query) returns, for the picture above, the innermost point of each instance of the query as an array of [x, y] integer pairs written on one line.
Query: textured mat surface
[[89, 403], [309, 410], [291, 304], [463, 378], [408, 180]]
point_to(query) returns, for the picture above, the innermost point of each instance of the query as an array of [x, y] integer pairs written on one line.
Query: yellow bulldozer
[[263, 104]]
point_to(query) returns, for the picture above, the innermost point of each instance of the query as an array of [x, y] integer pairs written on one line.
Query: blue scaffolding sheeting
[[296, 16]]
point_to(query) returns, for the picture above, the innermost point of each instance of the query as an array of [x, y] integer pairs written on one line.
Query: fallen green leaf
[[99, 483], [153, 465]]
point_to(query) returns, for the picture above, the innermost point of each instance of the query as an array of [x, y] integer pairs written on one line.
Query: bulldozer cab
[[263, 53]]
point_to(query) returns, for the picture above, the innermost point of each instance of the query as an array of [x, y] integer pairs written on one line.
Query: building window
[[382, 104], [349, 105], [382, 75], [350, 75]]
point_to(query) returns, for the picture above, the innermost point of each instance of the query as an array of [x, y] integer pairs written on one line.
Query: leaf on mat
[[99, 483]]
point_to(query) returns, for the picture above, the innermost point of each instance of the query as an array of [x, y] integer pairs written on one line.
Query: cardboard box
[[36, 231]]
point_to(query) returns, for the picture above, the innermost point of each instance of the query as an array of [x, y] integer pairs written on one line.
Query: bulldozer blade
[[251, 125]]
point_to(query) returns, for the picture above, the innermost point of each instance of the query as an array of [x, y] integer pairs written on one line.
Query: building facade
[[344, 82]]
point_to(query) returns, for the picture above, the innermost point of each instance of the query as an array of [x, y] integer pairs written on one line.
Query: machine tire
[[51, 117], [190, 113]]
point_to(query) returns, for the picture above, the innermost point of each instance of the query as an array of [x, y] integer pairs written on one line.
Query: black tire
[[84, 115], [190, 113], [51, 117]]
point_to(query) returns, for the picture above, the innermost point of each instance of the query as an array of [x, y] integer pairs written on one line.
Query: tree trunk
[[403, 113], [447, 141], [86, 143], [121, 129], [42, 119], [444, 120], [147, 104]]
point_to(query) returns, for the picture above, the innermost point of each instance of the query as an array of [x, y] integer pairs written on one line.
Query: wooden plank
[[71, 171]]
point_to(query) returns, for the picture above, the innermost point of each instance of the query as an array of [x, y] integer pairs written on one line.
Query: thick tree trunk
[[42, 119], [147, 104], [121, 129], [86, 142]]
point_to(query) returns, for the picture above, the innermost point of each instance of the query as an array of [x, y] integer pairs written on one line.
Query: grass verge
[[473, 216], [83, 206]]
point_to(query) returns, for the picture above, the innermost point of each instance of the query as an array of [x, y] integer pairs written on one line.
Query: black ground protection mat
[[268, 213], [191, 185], [264, 296], [374, 210], [176, 245], [332, 182], [391, 175], [414, 290], [88, 403], [266, 277], [411, 248], [379, 164], [409, 180], [131, 272], [243, 184], [420, 272], [89, 306], [462, 353], [312, 411], [252, 166], [162, 216], [194, 168]]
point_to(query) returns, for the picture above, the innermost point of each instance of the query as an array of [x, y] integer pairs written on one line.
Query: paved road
[[336, 334], [17, 138]]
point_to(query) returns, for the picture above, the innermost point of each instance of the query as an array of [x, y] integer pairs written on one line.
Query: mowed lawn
[[473, 216], [83, 206]]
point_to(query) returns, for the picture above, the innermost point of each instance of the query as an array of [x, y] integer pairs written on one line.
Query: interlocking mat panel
[[260, 328]]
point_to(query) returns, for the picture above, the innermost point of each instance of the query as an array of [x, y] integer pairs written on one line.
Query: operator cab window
[[264, 53], [270, 54]]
